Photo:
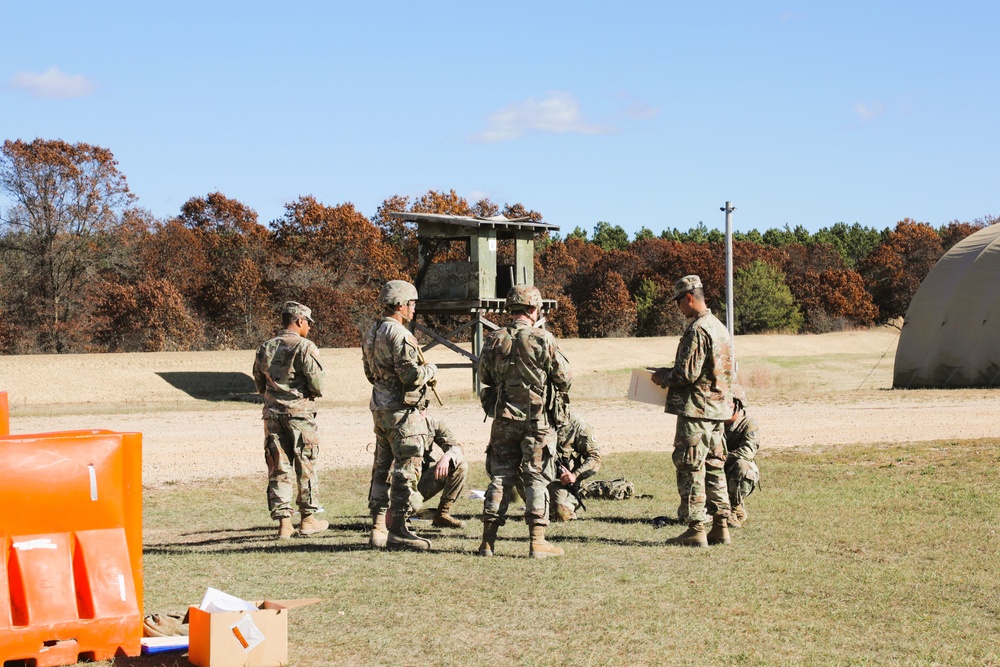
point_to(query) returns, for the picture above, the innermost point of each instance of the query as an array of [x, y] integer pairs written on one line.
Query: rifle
[[432, 383], [573, 488]]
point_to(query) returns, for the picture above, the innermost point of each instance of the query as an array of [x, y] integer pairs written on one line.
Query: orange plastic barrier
[[71, 539], [4, 414]]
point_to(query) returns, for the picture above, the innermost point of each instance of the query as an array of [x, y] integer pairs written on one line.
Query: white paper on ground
[[216, 600], [476, 494]]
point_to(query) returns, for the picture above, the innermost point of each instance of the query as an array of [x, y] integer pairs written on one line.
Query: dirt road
[[197, 422]]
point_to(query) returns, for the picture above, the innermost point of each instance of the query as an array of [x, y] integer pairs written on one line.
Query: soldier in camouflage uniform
[[446, 475], [287, 372], [742, 441], [523, 371], [701, 397], [578, 458], [394, 365]]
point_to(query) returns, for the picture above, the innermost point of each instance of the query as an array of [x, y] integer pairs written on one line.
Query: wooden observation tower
[[475, 285]]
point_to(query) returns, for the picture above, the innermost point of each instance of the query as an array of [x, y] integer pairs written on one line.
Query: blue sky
[[640, 114]]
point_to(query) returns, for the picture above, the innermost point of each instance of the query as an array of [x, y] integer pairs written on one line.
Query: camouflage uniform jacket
[[742, 439], [288, 373], [578, 445], [392, 365], [702, 374], [521, 365]]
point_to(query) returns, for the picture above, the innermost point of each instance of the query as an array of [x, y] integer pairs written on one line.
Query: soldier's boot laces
[[400, 537], [489, 538], [444, 519], [380, 534], [539, 548], [285, 528], [694, 536], [311, 525], [720, 531]]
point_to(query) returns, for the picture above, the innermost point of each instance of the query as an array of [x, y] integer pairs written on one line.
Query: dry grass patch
[[857, 555]]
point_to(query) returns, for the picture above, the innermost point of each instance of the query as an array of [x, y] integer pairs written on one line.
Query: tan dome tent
[[951, 334]]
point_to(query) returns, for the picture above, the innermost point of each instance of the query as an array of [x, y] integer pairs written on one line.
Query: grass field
[[858, 555]]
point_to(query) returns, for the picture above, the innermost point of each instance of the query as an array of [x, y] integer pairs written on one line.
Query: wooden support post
[[477, 349]]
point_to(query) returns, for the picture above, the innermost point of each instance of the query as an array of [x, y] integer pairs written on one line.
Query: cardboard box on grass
[[257, 638]]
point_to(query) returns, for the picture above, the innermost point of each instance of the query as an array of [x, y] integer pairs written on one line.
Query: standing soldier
[[523, 370], [287, 372], [700, 395], [400, 378], [742, 441], [578, 458]]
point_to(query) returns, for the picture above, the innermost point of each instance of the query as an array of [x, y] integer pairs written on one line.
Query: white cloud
[[640, 111], [869, 112], [53, 83], [558, 113]]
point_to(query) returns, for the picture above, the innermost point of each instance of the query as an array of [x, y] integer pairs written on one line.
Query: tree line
[[85, 269]]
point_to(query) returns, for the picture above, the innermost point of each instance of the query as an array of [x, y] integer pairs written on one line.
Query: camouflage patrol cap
[[685, 285], [739, 397], [297, 310], [397, 293], [523, 295]]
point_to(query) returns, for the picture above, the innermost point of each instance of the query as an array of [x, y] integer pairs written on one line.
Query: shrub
[[763, 301]]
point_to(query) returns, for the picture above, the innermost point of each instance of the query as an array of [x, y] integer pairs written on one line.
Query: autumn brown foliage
[[83, 270], [893, 272]]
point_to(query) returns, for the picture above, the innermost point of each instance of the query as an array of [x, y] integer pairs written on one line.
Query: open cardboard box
[[256, 638]]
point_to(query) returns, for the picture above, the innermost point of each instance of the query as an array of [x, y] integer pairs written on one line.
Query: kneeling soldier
[[742, 441], [578, 459]]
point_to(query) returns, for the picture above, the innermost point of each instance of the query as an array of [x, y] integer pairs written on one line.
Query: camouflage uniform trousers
[[522, 451], [291, 446], [450, 487], [560, 496], [741, 476], [699, 456], [401, 436]]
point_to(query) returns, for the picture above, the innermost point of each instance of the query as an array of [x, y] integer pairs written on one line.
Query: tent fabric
[[951, 333]]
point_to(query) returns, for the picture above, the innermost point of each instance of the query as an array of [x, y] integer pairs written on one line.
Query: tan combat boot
[[285, 528], [400, 536], [562, 513], [740, 513], [380, 534], [694, 536], [539, 548], [311, 525], [443, 518], [720, 531], [489, 538]]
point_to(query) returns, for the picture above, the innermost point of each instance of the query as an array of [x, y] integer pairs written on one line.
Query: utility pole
[[728, 209]]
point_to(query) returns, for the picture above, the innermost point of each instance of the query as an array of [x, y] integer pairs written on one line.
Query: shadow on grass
[[629, 520], [214, 386]]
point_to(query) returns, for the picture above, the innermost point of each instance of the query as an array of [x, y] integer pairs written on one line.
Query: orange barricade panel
[[40, 566], [4, 587], [103, 574], [71, 541], [4, 414]]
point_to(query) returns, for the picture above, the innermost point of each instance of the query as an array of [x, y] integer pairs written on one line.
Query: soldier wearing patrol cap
[[288, 373], [701, 397], [523, 371], [742, 443], [400, 378]]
